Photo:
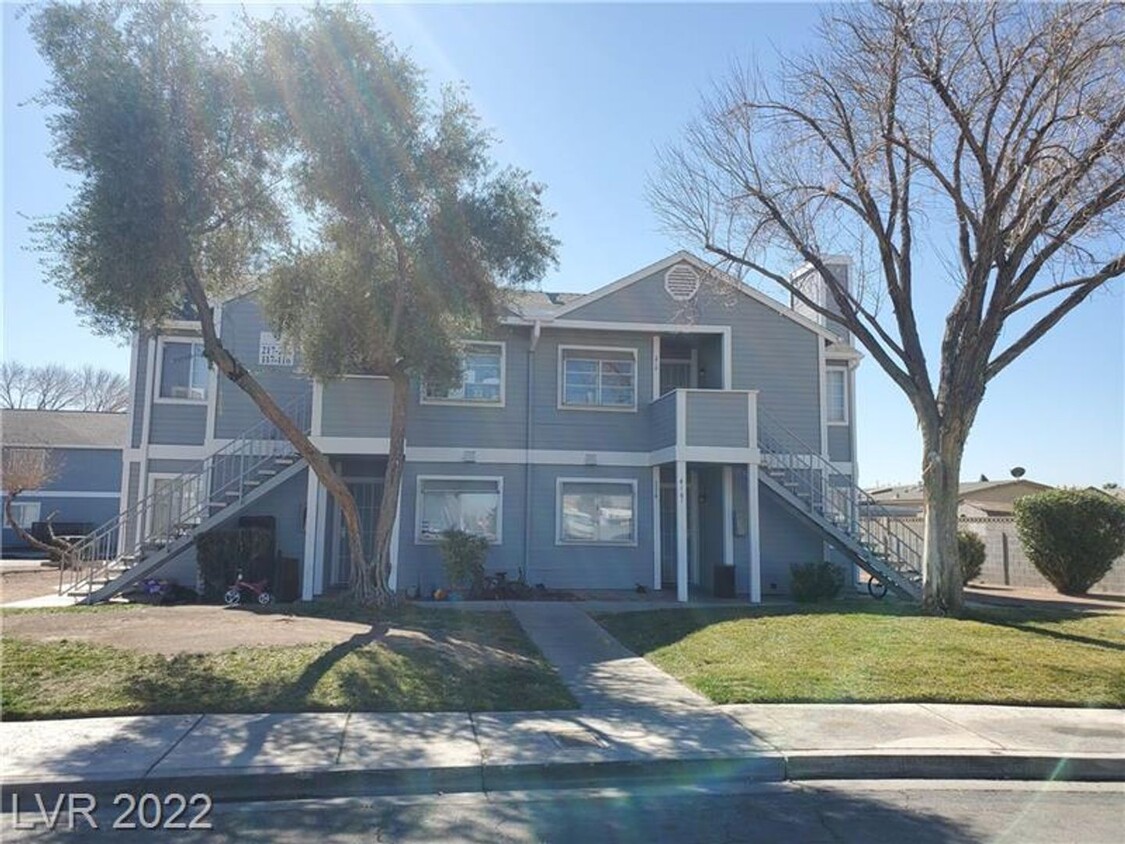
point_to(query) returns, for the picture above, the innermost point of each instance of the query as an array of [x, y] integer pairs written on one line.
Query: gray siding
[[787, 539], [770, 352], [840, 443], [717, 419], [242, 324], [138, 397], [357, 407], [177, 424], [86, 470], [480, 426], [172, 467], [662, 422]]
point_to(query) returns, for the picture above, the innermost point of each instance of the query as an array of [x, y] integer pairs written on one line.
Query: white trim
[[656, 364], [316, 425], [312, 537], [161, 342], [352, 445], [681, 532], [610, 326], [728, 516], [175, 452], [561, 353], [843, 370], [499, 479], [754, 534], [822, 387], [62, 493], [321, 535], [392, 579], [559, 541], [520, 456], [424, 399], [728, 359], [182, 325], [708, 271], [657, 543], [62, 446]]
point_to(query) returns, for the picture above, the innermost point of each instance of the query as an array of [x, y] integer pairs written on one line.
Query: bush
[[816, 581], [221, 553], [463, 554], [970, 552], [1072, 536]]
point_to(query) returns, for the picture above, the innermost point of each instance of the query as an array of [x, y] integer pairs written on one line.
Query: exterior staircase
[[884, 546], [164, 524]]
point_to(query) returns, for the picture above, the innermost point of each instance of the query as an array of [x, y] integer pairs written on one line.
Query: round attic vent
[[681, 282]]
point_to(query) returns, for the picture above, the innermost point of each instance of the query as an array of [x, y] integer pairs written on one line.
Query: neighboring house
[[659, 431], [85, 451], [976, 498]]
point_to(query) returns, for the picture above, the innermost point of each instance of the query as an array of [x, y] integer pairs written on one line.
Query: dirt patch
[[188, 629], [27, 583]]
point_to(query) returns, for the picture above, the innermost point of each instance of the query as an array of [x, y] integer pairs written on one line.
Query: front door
[[368, 493], [668, 531]]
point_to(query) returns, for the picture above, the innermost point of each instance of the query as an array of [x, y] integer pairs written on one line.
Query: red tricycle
[[258, 588]]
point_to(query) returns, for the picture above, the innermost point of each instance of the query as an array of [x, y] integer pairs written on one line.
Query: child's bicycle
[[258, 588]]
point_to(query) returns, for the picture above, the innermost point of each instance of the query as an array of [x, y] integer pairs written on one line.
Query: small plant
[[816, 581], [463, 554], [970, 552], [1072, 536]]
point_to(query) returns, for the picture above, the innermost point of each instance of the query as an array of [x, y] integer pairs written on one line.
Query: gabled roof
[[62, 428], [565, 307]]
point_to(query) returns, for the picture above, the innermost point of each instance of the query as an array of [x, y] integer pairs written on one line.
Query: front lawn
[[883, 652], [425, 661]]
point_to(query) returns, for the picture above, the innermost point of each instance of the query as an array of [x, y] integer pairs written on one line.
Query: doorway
[[368, 493], [678, 373], [668, 529]]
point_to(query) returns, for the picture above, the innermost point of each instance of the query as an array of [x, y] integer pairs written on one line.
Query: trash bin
[[724, 581], [286, 583]]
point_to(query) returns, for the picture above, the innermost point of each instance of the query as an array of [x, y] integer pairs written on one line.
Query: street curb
[[229, 787]]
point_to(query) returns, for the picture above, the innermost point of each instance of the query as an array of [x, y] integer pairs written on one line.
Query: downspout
[[536, 329]]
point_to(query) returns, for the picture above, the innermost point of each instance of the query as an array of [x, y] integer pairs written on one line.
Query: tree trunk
[[233, 370], [58, 551], [941, 568], [392, 487]]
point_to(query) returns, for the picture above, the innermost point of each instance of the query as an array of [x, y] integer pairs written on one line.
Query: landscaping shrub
[[463, 554], [1072, 536], [816, 581], [970, 552], [221, 553]]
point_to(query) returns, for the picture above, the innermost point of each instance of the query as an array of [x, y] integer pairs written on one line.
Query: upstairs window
[[183, 371], [482, 378], [837, 388], [602, 379]]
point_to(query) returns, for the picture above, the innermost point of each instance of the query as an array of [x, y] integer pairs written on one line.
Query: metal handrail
[[171, 512], [833, 494]]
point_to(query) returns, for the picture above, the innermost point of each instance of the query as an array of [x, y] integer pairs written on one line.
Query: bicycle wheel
[[876, 588]]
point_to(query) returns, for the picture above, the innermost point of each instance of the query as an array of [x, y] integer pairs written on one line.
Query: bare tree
[[102, 390], [1001, 123], [29, 469], [53, 386]]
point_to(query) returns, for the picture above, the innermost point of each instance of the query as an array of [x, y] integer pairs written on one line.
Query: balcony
[[715, 426]]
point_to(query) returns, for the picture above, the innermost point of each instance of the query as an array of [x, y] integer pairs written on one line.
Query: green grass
[[458, 662], [883, 652]]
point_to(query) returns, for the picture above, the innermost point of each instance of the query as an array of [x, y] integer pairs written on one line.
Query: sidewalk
[[262, 757]]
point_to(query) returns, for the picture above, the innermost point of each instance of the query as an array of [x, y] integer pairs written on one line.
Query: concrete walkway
[[599, 671]]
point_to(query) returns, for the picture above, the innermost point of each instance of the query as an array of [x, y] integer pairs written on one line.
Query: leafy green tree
[[179, 179], [418, 232], [1072, 536]]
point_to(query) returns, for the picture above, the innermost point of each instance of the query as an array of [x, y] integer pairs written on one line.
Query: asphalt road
[[915, 812]]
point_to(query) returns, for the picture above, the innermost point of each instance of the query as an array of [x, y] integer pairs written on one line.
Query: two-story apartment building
[[675, 429]]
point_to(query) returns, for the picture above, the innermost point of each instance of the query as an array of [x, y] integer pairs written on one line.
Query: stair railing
[[179, 504], [833, 495]]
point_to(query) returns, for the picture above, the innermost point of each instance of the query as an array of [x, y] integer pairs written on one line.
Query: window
[[482, 377], [599, 378], [25, 513], [468, 504], [837, 396], [597, 512], [174, 505], [183, 371], [272, 352]]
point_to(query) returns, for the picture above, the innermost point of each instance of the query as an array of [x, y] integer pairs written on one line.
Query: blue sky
[[581, 95]]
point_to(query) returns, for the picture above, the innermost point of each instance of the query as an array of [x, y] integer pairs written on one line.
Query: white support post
[[312, 536], [392, 580], [728, 516], [754, 534], [655, 367], [321, 534], [657, 575], [681, 532]]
